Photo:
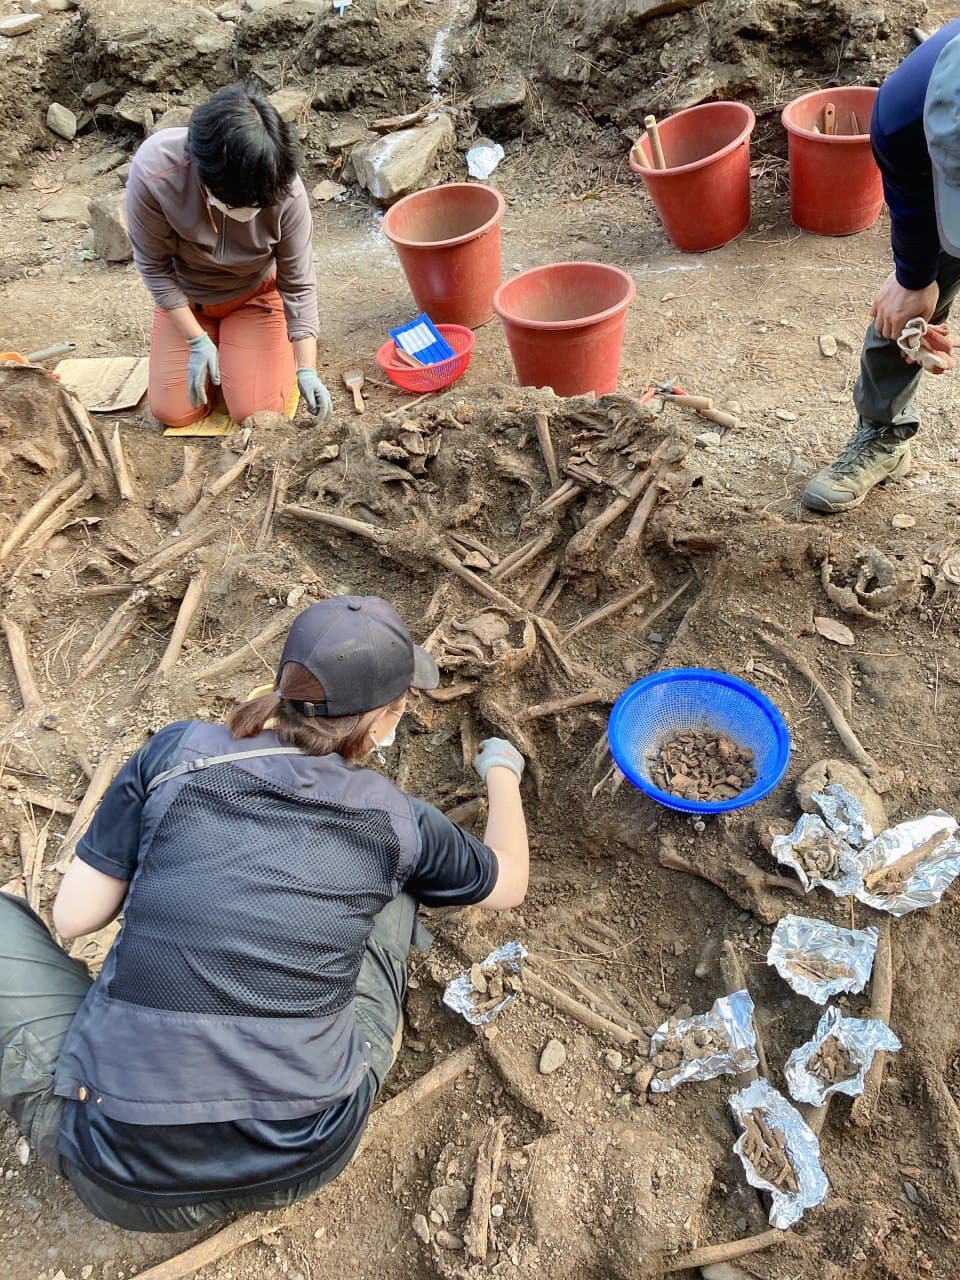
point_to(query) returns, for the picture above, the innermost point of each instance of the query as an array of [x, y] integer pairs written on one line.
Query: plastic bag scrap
[[730, 1020], [803, 949], [483, 159], [861, 1037], [803, 1152], [460, 994], [926, 878]]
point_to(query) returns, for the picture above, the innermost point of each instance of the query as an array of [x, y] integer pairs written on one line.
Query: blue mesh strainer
[[669, 702]]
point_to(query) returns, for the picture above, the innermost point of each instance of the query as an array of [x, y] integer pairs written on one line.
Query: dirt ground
[[597, 1181]]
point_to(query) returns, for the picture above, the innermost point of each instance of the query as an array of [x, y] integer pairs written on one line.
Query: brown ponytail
[[347, 736]]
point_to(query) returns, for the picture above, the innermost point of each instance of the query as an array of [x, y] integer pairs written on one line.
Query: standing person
[[227, 1057], [222, 236], [915, 131]]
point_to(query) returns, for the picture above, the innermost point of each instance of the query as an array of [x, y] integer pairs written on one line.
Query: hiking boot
[[870, 456]]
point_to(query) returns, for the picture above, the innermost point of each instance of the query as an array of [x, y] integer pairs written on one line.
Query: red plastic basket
[[432, 377]]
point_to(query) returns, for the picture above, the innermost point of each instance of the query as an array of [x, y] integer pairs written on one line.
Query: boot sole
[[823, 507]]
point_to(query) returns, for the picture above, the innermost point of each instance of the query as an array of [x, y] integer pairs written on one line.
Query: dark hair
[[242, 151], [348, 736]]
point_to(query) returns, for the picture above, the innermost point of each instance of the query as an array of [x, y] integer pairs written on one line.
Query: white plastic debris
[[483, 159], [861, 1037]]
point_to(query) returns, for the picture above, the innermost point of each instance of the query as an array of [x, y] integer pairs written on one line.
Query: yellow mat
[[219, 423]]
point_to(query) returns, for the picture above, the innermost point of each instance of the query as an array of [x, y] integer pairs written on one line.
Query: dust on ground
[[597, 1178]]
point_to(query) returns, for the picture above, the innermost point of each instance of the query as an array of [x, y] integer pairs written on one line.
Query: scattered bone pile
[[819, 855], [815, 968], [678, 1048], [832, 1062], [766, 1149], [704, 766], [492, 981]]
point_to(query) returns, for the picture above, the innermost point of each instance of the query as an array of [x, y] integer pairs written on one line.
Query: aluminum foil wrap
[[928, 879], [460, 994], [803, 1151], [730, 1018], [800, 940], [812, 833], [861, 1037], [843, 813]]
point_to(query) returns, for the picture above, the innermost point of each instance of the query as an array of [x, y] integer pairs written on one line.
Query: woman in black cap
[[228, 1055]]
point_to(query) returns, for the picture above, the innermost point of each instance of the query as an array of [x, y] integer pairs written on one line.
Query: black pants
[[41, 989], [887, 384]]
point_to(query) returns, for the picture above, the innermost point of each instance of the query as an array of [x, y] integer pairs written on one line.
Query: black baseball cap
[[359, 650]]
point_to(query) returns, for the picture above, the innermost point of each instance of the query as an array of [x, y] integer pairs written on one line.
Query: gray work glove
[[204, 363], [497, 751], [315, 394]]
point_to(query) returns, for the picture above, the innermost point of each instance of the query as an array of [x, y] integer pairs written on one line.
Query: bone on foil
[[820, 960], [721, 1041], [910, 865], [801, 1149], [859, 1039], [463, 997], [819, 856]]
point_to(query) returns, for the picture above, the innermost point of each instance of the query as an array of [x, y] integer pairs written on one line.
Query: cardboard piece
[[105, 384]]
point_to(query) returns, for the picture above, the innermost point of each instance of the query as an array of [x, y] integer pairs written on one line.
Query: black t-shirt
[[184, 1163]]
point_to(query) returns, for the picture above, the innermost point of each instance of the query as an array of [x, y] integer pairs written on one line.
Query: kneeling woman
[[222, 236], [228, 1055]]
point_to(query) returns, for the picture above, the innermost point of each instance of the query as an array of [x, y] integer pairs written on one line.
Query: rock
[[173, 118], [290, 103], [62, 121], [62, 6], [108, 217], [327, 190], [785, 415], [500, 107], [847, 775], [614, 1059], [23, 1150], [69, 205], [447, 1240], [709, 439], [828, 345], [421, 1228], [86, 1272], [902, 521], [33, 6], [552, 1058], [98, 91], [18, 24], [390, 167], [348, 133]]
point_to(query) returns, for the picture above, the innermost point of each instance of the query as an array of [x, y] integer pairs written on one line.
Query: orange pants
[[257, 364]]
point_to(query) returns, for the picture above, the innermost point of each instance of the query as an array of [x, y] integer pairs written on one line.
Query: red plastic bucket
[[703, 196], [448, 241], [835, 186], [564, 325]]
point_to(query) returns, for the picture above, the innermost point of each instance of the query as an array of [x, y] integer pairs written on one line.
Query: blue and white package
[[421, 339]]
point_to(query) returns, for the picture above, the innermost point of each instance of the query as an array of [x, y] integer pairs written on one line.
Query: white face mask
[[244, 214], [389, 740]]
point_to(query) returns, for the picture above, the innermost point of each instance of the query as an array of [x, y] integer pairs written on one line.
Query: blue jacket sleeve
[[908, 189]]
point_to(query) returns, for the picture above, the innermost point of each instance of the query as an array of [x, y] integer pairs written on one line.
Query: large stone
[[99, 91], [552, 1058], [821, 774], [500, 107], [173, 118], [18, 24], [66, 206], [61, 121], [389, 167], [290, 103], [347, 133], [108, 218]]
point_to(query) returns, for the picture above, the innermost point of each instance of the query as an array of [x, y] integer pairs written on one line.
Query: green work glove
[[204, 363], [315, 395], [496, 752]]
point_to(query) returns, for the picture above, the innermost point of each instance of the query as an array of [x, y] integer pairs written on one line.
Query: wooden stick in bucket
[[830, 118], [656, 146]]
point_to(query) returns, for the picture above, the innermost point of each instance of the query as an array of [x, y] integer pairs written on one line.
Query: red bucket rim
[[579, 321], [414, 196], [831, 139], [749, 124]]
